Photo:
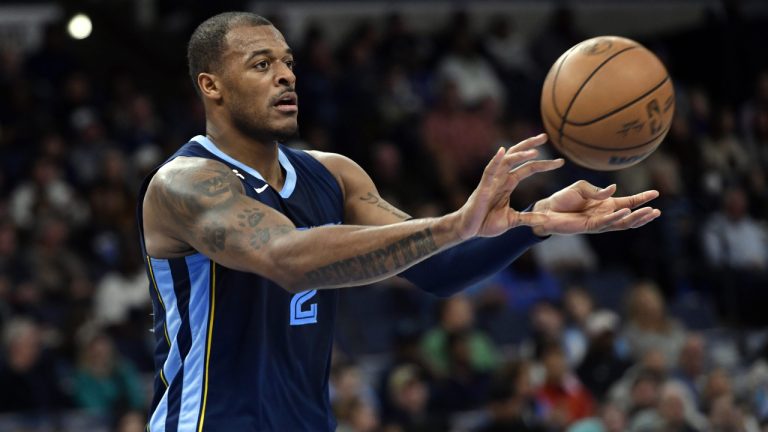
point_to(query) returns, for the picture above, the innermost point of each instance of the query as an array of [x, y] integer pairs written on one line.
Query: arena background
[[655, 329]]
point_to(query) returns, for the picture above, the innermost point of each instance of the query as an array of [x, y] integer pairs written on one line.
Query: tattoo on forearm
[[372, 199], [215, 237], [381, 261]]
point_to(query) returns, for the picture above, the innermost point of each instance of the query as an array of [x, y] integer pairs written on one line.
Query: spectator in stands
[[649, 325], [548, 328], [727, 416], [692, 365], [717, 384], [611, 419], [578, 307], [512, 405], [29, 374], [464, 387], [669, 415], [475, 79], [355, 415], [736, 247], [724, 153], [409, 396], [563, 397], [105, 384], [732, 239], [46, 194], [348, 383], [456, 315], [602, 365], [458, 141]]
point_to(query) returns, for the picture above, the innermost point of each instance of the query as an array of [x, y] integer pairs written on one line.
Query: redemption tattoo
[[372, 199], [381, 261]]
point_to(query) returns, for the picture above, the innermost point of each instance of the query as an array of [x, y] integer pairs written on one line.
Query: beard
[[260, 129]]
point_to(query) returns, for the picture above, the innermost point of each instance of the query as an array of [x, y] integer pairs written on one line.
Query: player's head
[[242, 68]]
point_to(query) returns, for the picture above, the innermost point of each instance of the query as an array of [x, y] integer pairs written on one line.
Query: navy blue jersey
[[234, 351]]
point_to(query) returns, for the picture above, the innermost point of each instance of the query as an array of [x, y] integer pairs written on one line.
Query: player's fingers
[[512, 159], [529, 143], [589, 191], [635, 219], [636, 200], [493, 167], [605, 222], [653, 214], [529, 168]]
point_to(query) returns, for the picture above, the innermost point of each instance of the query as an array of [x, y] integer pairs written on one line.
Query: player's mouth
[[287, 103]]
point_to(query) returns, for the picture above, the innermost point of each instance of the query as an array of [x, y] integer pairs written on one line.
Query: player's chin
[[286, 129]]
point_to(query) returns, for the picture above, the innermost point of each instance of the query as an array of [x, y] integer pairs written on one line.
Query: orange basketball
[[607, 103]]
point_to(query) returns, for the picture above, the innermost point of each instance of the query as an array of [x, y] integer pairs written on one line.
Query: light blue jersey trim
[[162, 271], [290, 173], [194, 364]]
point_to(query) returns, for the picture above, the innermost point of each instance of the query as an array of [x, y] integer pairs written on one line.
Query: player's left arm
[[576, 209], [443, 274]]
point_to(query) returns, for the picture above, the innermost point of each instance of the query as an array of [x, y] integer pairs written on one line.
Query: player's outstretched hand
[[585, 208], [487, 212]]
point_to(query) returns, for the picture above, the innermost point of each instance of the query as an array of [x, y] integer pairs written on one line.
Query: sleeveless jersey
[[233, 350]]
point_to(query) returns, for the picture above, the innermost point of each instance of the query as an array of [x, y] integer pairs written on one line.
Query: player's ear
[[210, 86]]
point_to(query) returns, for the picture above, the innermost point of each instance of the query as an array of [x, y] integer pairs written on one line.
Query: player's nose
[[284, 75]]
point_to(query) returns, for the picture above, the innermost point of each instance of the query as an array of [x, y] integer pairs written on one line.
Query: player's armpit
[[362, 203]]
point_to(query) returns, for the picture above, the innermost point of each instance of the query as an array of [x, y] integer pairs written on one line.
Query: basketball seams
[[557, 75], [581, 87], [594, 147], [621, 108]]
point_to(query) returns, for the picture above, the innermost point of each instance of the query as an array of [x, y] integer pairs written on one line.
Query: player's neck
[[261, 156]]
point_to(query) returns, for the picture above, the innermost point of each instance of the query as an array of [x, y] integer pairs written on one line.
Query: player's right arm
[[195, 204]]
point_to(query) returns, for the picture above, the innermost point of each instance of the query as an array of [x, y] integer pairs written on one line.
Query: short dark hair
[[207, 41]]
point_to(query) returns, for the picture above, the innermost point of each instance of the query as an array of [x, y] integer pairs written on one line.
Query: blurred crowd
[[657, 329]]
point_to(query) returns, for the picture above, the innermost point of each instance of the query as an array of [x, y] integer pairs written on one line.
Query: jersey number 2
[[300, 315]]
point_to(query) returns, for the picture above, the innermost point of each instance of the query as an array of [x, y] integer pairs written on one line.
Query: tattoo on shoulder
[[250, 217], [183, 195], [381, 261], [215, 237], [372, 199], [214, 183]]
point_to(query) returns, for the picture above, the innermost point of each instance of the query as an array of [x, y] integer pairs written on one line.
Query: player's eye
[[290, 63], [262, 65]]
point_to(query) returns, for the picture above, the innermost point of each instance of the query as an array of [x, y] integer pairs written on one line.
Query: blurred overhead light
[[79, 26]]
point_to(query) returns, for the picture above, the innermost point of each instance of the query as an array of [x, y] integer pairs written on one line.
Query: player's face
[[259, 84]]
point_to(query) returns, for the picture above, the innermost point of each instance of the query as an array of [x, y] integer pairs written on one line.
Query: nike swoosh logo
[[261, 189]]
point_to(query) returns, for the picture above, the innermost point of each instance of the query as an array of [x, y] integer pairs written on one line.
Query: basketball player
[[245, 240]]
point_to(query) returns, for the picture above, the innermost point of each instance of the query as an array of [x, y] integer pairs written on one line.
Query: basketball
[[607, 103]]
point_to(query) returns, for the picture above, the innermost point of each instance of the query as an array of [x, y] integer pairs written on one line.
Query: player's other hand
[[487, 213], [585, 208]]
